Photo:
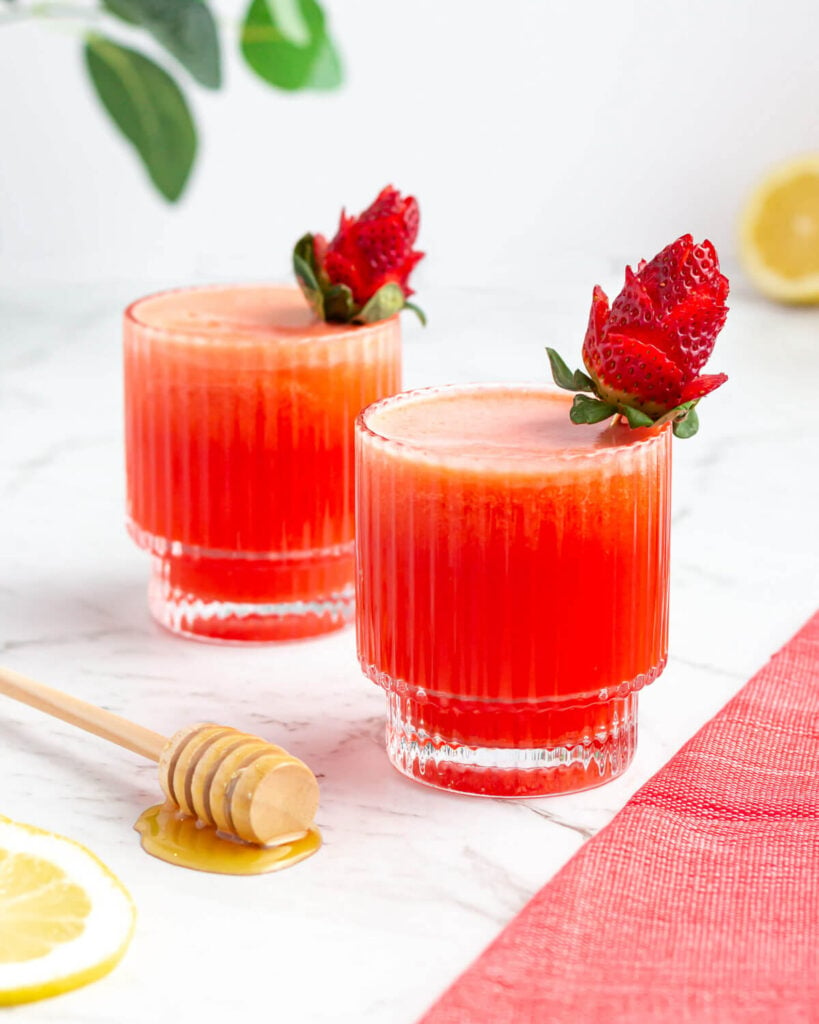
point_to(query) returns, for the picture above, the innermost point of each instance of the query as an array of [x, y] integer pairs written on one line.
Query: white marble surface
[[411, 883]]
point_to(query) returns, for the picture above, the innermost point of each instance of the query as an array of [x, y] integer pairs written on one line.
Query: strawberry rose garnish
[[362, 275], [645, 353]]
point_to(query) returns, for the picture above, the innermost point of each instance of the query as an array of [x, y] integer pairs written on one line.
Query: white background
[[537, 134]]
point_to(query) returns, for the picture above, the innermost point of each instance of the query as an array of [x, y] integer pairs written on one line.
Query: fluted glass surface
[[511, 606], [239, 448]]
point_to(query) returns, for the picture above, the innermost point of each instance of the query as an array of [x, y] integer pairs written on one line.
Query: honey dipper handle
[[86, 716]]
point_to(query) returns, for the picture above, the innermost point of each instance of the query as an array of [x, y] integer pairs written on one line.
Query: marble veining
[[412, 883]]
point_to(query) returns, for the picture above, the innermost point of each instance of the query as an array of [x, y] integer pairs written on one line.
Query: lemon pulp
[[65, 919], [779, 240]]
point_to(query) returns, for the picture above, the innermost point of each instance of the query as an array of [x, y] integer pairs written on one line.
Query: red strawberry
[[644, 355], [378, 244], [367, 253], [340, 270], [629, 365], [699, 387]]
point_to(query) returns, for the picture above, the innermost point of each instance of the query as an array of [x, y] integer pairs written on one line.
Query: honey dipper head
[[239, 783]]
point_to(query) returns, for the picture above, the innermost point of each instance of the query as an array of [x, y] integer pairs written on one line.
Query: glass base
[[578, 757], [234, 599]]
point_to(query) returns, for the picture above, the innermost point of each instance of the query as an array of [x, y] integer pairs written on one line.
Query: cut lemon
[[65, 919], [779, 232]]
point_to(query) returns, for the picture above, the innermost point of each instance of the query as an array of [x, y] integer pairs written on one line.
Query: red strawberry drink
[[513, 576], [489, 526], [240, 404]]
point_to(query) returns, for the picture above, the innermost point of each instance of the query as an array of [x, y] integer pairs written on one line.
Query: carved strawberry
[[362, 274], [644, 354]]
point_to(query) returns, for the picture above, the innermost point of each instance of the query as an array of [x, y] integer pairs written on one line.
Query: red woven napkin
[[699, 902]]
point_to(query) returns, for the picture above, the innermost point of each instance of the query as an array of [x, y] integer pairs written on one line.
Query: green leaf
[[417, 311], [290, 21], [185, 28], [339, 306], [122, 10], [636, 418], [304, 267], [277, 53], [688, 426], [590, 410], [327, 71], [386, 302], [563, 376], [149, 109], [304, 273], [304, 260]]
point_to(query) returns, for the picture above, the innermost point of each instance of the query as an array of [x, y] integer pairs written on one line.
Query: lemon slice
[[779, 232], [65, 920]]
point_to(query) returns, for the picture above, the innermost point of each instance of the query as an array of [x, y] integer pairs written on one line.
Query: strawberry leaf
[[305, 249], [563, 376], [635, 417], [304, 272], [590, 410], [339, 306], [386, 302], [304, 267], [688, 425]]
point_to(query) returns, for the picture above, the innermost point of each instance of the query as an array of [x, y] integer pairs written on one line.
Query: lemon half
[[65, 919], [779, 232]]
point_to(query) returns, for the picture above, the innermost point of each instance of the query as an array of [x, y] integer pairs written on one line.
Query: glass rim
[[363, 428], [333, 331]]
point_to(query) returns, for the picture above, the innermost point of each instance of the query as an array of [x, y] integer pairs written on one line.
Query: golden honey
[[182, 840]]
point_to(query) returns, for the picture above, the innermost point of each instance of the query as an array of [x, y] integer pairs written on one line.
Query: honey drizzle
[[182, 840]]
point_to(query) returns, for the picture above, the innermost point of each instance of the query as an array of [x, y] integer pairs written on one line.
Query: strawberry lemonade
[[239, 407], [512, 585]]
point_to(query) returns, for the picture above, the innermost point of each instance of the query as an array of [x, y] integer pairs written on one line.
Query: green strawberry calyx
[[591, 406]]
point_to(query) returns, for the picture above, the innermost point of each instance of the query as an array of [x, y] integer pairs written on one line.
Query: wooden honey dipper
[[238, 783]]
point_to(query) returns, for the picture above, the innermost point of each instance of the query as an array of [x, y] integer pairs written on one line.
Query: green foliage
[[590, 410], [286, 43], [339, 305], [563, 376], [149, 109], [185, 28], [387, 301], [307, 274], [688, 425], [636, 417]]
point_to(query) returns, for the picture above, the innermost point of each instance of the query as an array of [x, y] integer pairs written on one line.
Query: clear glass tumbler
[[512, 585], [239, 413]]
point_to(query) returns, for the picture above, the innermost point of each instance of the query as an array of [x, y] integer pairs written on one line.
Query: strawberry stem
[[417, 311]]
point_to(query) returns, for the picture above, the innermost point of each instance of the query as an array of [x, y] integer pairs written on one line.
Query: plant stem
[[51, 10]]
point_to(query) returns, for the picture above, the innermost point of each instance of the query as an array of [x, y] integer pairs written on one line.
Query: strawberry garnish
[[362, 274], [644, 354]]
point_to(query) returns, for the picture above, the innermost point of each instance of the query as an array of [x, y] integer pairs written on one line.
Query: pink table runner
[[699, 902]]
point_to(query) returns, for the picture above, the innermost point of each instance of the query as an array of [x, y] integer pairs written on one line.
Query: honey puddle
[[184, 841]]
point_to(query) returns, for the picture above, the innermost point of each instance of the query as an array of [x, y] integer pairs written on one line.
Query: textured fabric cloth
[[699, 902]]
